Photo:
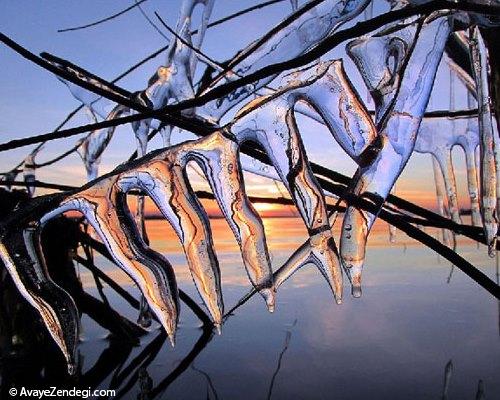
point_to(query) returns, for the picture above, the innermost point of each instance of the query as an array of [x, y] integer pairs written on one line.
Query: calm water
[[392, 343]]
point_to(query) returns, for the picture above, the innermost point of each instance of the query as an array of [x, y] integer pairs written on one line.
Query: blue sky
[[34, 101]]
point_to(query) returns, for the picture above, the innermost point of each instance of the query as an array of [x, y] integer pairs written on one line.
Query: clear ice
[[398, 65], [400, 79], [488, 168]]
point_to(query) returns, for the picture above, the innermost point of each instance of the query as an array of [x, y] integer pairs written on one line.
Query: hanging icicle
[[487, 144]]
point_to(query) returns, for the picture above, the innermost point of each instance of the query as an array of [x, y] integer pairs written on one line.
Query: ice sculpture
[[400, 78], [398, 65], [161, 175]]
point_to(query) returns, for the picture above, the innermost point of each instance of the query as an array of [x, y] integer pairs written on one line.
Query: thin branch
[[38, 184], [69, 69], [215, 23], [58, 158], [288, 337], [202, 56], [152, 23], [116, 287], [183, 122], [14, 143], [240, 13], [102, 20]]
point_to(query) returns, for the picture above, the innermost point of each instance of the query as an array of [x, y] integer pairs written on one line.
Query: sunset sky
[[34, 101]]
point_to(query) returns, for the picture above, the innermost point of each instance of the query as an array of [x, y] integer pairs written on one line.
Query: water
[[394, 342]]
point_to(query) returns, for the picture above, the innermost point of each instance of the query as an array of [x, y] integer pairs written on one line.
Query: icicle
[[315, 251], [164, 181], [438, 136], [92, 147], [21, 253], [326, 89], [202, 28], [105, 209], [29, 167], [448, 236], [487, 146], [217, 155], [166, 135], [398, 123]]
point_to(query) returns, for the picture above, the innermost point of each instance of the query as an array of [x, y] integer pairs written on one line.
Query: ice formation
[[400, 79], [398, 65]]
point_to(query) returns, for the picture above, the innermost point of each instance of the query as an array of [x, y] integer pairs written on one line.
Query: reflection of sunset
[[266, 207]]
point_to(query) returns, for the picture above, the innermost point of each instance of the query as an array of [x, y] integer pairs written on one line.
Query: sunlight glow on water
[[394, 342]]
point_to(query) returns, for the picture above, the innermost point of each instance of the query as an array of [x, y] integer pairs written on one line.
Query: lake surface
[[392, 343]]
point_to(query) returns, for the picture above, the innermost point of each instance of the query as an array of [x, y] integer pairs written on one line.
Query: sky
[[33, 101]]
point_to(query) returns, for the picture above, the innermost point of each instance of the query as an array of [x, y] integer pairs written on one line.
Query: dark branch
[[102, 20], [58, 158]]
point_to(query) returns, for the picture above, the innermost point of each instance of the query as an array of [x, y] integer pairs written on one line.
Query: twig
[[58, 158], [102, 20], [288, 337], [38, 184], [202, 56], [152, 23]]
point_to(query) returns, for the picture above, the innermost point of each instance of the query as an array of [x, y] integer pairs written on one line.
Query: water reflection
[[395, 342]]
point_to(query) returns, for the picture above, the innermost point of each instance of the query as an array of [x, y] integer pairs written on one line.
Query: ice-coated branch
[[447, 236], [488, 168], [412, 54], [161, 175], [298, 33]]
